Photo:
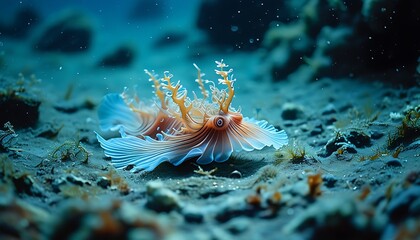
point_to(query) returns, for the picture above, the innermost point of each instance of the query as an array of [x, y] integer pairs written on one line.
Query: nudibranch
[[177, 127]]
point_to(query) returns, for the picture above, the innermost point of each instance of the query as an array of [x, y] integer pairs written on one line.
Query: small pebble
[[57, 183], [329, 109], [161, 199], [315, 131], [238, 225], [235, 174], [193, 217], [329, 180], [330, 121]]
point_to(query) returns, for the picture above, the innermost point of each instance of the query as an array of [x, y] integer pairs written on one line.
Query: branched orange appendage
[[158, 91], [225, 101], [180, 100]]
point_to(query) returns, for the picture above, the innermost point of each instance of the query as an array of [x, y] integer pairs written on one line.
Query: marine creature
[[177, 127]]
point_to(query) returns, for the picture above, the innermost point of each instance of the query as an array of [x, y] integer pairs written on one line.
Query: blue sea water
[[139, 24]]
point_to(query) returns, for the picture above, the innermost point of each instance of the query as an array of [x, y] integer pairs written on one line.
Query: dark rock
[[317, 124], [393, 163], [402, 205], [315, 131], [292, 112], [70, 179], [26, 184], [70, 34], [20, 111], [358, 182], [413, 178], [24, 21], [347, 148], [330, 121], [77, 180], [193, 217], [74, 106], [345, 107], [121, 57], [333, 145], [57, 183], [288, 124], [238, 24], [104, 182], [48, 130], [347, 143], [359, 139], [18, 106], [376, 135], [329, 180]]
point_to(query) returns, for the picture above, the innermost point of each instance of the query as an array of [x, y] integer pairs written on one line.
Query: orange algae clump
[[314, 183], [177, 127]]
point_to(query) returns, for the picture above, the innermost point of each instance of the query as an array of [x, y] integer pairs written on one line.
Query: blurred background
[[109, 43]]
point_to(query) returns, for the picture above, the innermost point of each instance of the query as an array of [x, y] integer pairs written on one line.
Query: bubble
[[234, 28]]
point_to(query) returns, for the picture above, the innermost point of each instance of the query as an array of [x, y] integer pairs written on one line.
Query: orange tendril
[[179, 98], [158, 92]]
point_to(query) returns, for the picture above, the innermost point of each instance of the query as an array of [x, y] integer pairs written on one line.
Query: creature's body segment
[[180, 128]]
